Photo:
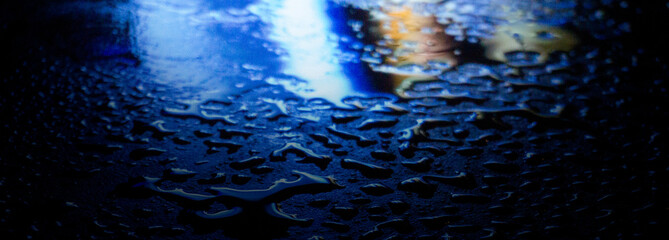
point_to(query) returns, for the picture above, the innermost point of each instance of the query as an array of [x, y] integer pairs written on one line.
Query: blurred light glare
[[301, 28]]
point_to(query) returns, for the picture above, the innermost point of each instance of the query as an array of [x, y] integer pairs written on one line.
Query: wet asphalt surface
[[160, 119]]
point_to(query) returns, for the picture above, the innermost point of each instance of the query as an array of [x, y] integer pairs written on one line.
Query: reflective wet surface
[[314, 119]]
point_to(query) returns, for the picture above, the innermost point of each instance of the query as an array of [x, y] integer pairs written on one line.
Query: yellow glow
[[527, 37]]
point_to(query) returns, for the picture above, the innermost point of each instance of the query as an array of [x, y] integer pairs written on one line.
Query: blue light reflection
[[312, 50], [196, 44], [302, 45]]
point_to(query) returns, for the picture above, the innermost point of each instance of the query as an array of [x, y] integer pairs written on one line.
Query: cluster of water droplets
[[514, 148]]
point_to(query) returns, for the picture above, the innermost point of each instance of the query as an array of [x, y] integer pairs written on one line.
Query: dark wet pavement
[[305, 119]]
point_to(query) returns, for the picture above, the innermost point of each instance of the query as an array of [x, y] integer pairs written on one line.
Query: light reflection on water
[[176, 51], [302, 46], [308, 48], [425, 45], [195, 44]]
